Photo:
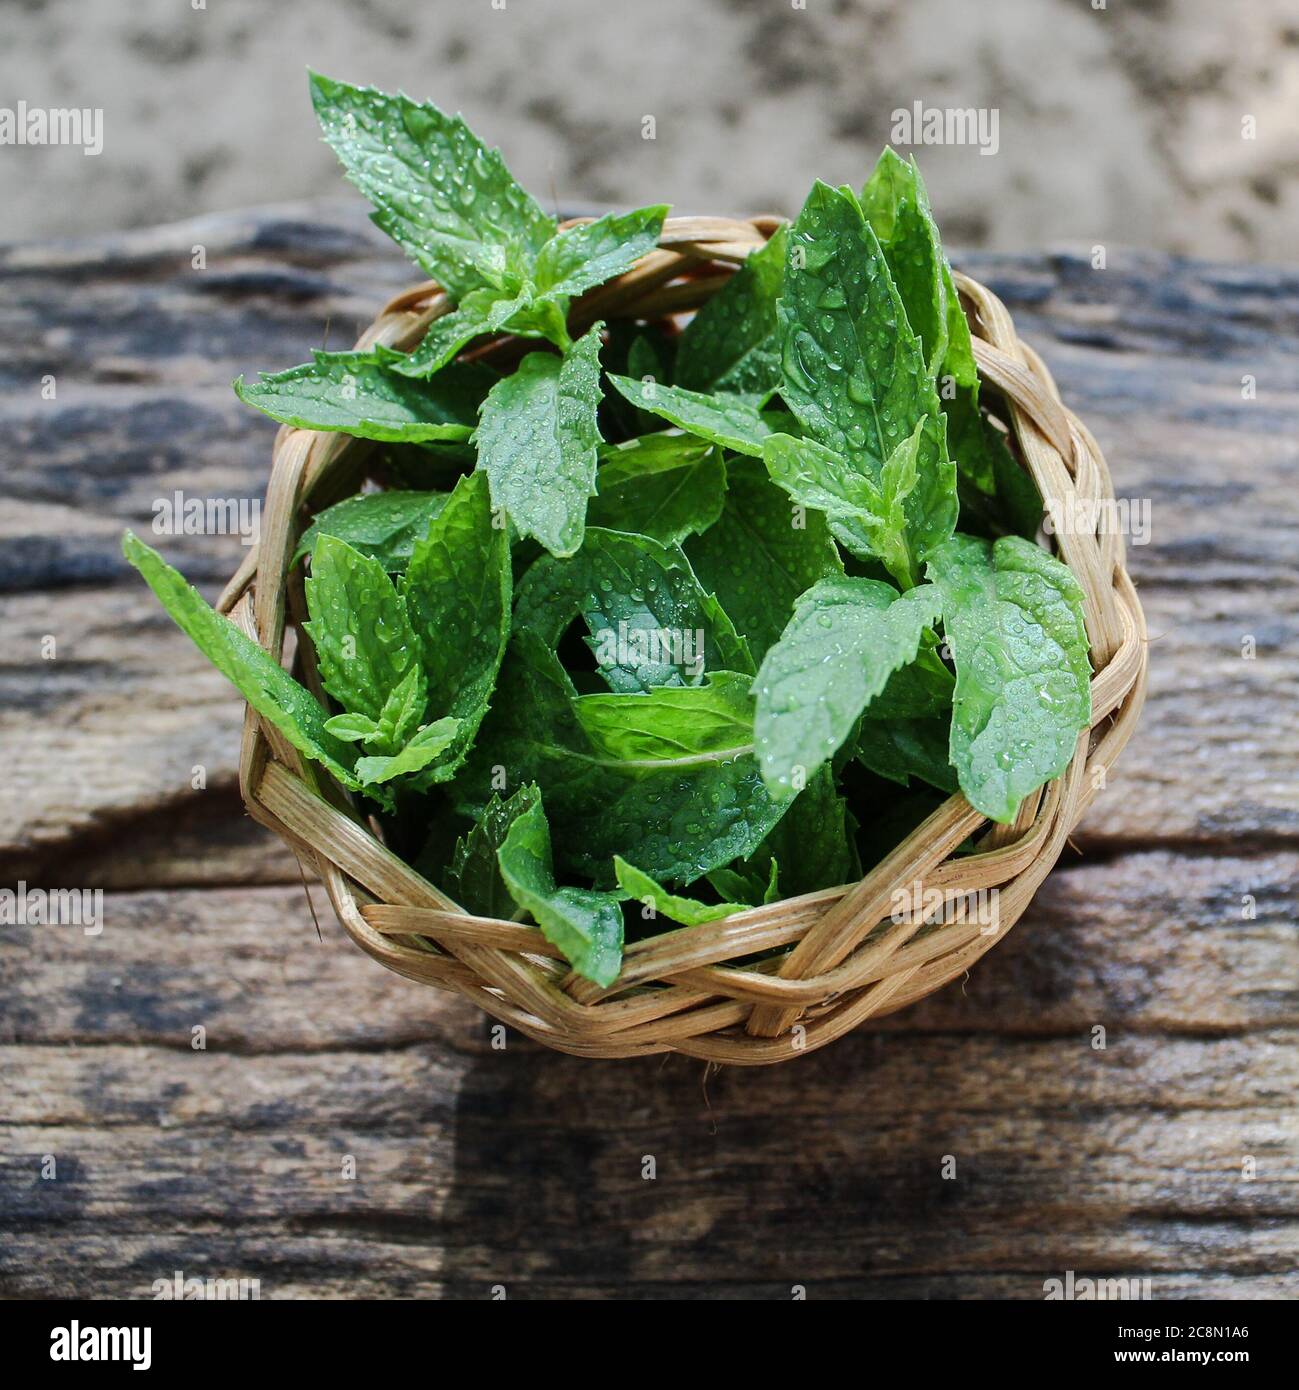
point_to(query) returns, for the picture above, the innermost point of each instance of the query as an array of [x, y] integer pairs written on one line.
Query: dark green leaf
[[650, 621], [677, 817], [363, 639], [900, 749], [383, 525], [761, 554], [457, 590], [473, 878], [897, 208], [731, 344], [584, 924], [666, 486], [853, 372]]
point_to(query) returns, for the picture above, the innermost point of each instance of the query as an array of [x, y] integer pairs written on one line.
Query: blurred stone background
[[1120, 124]]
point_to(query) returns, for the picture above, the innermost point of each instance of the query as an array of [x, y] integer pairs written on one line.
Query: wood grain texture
[[1170, 924]]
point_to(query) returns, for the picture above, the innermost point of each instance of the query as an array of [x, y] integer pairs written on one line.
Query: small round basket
[[814, 966]]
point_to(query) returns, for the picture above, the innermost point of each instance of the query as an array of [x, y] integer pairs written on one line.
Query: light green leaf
[[650, 621], [358, 393], [723, 420], [731, 344], [761, 554], [353, 728], [457, 590], [439, 192], [383, 525], [402, 711], [422, 750], [267, 687], [847, 636], [1013, 616], [537, 441], [473, 878], [581, 257], [685, 725], [657, 901], [853, 372], [666, 486], [586, 925], [363, 639]]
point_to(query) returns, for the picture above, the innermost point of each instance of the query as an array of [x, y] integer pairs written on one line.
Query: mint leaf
[[869, 517], [677, 816], [439, 192], [731, 344], [761, 554], [473, 878], [686, 724], [353, 728], [748, 887], [363, 639], [584, 924], [537, 439], [900, 749], [813, 840], [723, 420], [359, 394], [847, 636], [422, 750], [479, 313], [581, 257], [383, 525], [666, 486], [1013, 618], [263, 682], [656, 901], [918, 690], [854, 374], [650, 621], [457, 590], [897, 207], [402, 711]]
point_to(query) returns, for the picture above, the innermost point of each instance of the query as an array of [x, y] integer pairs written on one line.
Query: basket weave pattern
[[830, 959]]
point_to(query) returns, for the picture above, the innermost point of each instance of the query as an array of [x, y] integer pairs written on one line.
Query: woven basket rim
[[827, 960]]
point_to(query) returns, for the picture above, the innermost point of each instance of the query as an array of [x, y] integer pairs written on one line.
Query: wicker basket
[[829, 959]]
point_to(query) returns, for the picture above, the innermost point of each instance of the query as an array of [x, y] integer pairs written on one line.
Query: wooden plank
[[1121, 1161]]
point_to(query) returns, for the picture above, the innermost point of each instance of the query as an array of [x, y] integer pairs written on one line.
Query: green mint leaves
[[638, 624]]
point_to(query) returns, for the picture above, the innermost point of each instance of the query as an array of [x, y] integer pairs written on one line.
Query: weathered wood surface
[[523, 1168]]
